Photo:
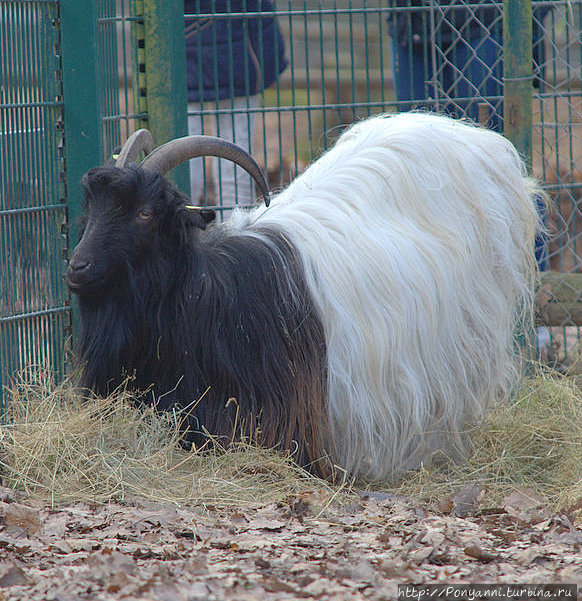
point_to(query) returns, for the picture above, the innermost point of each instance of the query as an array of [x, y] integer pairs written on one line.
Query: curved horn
[[170, 155], [139, 141]]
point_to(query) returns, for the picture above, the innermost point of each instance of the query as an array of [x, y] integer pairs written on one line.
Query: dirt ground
[[359, 546]]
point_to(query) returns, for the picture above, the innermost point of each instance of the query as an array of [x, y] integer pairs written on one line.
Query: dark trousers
[[454, 81]]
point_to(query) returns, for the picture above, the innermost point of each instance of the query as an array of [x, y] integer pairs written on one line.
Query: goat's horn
[[139, 141], [170, 155]]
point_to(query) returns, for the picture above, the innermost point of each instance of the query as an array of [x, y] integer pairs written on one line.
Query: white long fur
[[416, 232]]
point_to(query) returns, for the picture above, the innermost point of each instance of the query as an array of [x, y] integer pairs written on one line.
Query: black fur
[[208, 320]]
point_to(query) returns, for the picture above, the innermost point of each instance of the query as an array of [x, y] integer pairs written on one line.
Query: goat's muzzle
[[81, 276]]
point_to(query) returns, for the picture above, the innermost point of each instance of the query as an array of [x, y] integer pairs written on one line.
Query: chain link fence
[[557, 161], [65, 107]]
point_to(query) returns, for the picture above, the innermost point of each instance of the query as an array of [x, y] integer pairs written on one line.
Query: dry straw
[[533, 442], [59, 447]]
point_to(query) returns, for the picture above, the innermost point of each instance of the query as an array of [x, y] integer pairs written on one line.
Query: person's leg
[[196, 165], [486, 71], [412, 73], [233, 185], [470, 73]]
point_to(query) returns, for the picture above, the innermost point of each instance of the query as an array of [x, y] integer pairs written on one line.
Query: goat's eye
[[144, 215]]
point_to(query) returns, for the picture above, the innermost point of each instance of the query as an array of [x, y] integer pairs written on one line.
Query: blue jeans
[[466, 73], [461, 73]]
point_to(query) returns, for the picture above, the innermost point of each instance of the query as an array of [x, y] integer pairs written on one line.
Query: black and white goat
[[364, 318]]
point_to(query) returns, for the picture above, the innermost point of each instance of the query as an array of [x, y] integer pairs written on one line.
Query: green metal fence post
[[165, 71], [518, 76], [83, 135], [518, 102]]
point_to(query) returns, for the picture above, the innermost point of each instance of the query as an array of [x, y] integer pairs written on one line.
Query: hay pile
[[60, 448], [534, 442]]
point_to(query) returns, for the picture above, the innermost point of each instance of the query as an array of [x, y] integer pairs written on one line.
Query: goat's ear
[[114, 155], [181, 216], [196, 216], [208, 214]]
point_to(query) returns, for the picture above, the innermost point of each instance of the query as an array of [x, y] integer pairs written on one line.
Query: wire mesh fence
[[556, 161], [282, 77], [116, 67], [329, 66], [33, 302]]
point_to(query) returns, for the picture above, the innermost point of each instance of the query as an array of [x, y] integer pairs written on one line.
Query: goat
[[363, 319]]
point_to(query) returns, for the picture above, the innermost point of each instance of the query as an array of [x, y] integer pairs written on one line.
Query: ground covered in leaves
[[309, 546], [100, 500]]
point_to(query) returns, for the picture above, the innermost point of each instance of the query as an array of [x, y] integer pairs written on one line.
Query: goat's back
[[417, 234]]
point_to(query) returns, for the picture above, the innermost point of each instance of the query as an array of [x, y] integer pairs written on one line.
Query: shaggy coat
[[363, 319]]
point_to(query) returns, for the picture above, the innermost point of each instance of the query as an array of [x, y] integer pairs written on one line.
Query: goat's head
[[133, 212]]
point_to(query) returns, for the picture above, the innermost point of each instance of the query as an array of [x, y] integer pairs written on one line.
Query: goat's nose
[[80, 274], [78, 264]]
